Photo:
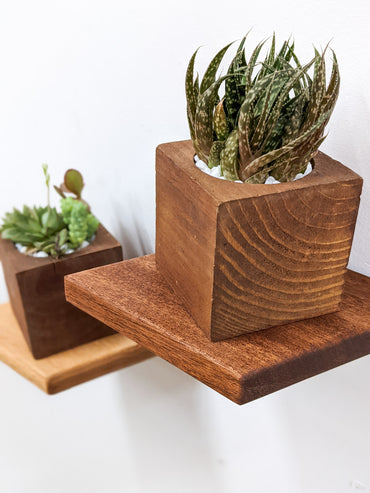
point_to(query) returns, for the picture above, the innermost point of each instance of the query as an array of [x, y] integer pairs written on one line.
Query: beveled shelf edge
[[134, 299], [69, 368]]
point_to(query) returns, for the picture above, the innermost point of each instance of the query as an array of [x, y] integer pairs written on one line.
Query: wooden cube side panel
[[282, 257], [12, 286], [185, 236], [54, 325], [36, 292]]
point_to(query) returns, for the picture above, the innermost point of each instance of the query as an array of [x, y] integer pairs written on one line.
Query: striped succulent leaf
[[245, 124], [259, 177], [271, 54], [196, 88], [317, 91], [251, 65], [203, 125], [231, 100], [210, 74], [270, 124], [214, 158], [262, 161], [232, 84], [190, 123], [267, 102], [274, 140], [287, 169], [285, 52], [242, 62], [191, 95], [220, 124], [229, 157], [279, 81], [330, 98], [296, 118], [308, 133]]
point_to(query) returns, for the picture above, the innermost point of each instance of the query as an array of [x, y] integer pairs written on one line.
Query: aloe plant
[[272, 116], [44, 229]]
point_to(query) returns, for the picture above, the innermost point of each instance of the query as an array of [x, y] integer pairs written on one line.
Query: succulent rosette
[[271, 118], [44, 229]]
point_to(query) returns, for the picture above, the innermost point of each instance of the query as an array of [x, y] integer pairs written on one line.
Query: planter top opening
[[40, 254], [216, 172], [181, 156], [102, 241]]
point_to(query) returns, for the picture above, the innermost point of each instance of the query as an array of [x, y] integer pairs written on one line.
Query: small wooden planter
[[66, 369], [36, 292], [247, 257]]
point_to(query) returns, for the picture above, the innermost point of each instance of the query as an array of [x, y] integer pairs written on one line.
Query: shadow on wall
[[131, 234], [163, 447]]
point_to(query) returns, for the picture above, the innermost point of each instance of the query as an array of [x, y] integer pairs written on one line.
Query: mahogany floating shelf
[[68, 368], [135, 300]]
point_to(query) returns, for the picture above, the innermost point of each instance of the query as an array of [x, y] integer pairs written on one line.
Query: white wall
[[97, 85]]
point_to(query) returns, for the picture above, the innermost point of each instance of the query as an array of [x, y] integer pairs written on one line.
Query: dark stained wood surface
[[36, 291], [69, 368], [245, 257], [133, 298]]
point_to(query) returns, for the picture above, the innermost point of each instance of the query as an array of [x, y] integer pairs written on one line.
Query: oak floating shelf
[[135, 300], [69, 368]]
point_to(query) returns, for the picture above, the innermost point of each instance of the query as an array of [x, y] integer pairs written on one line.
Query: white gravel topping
[[216, 172], [40, 254], [23, 249]]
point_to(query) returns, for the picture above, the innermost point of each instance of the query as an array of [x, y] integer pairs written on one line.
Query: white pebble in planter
[[216, 172], [41, 254]]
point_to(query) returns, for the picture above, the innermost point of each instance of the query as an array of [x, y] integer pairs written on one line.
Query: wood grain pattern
[[36, 292], [69, 368], [247, 257], [186, 222], [133, 298]]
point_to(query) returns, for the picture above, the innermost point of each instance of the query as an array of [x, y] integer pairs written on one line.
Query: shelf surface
[[134, 299], [68, 368]]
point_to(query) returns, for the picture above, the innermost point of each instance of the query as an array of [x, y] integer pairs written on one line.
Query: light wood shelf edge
[[69, 368]]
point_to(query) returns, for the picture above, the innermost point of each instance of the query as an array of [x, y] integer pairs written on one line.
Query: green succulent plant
[[47, 230], [32, 227], [271, 118], [81, 223]]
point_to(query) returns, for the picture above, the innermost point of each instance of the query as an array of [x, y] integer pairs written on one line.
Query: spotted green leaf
[[305, 135], [317, 90], [271, 54], [256, 139], [275, 114], [245, 123], [251, 65], [232, 84], [259, 177], [191, 96], [204, 117], [220, 122], [229, 157], [295, 121], [262, 161], [210, 74], [214, 154]]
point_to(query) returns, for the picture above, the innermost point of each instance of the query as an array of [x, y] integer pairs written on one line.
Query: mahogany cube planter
[[243, 257], [36, 291]]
